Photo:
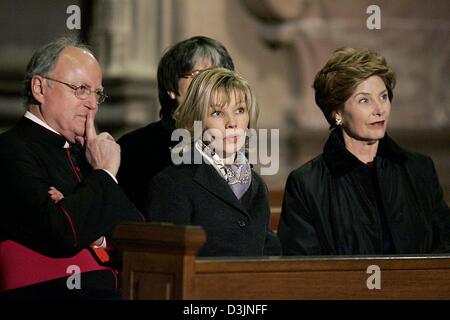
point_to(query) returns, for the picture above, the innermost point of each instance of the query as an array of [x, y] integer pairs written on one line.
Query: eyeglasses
[[191, 74], [82, 92]]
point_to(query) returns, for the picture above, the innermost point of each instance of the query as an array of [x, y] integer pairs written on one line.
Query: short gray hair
[[44, 60]]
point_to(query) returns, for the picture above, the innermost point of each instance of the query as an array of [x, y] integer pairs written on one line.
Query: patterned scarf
[[238, 175]]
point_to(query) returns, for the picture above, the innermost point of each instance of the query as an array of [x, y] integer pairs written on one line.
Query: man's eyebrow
[[99, 89], [83, 83]]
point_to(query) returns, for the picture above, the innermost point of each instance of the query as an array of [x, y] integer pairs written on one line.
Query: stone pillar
[[129, 37]]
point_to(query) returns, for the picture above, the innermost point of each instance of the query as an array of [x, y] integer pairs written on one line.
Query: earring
[[339, 122], [172, 95]]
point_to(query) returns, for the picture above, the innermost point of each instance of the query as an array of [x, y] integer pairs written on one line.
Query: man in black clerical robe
[[59, 195]]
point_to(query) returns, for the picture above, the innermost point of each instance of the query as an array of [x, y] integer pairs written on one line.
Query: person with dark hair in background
[[220, 192], [59, 196], [146, 151], [364, 194]]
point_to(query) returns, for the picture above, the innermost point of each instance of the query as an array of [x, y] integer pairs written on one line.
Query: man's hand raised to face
[[102, 152]]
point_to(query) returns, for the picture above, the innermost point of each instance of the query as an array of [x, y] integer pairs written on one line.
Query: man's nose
[[91, 102]]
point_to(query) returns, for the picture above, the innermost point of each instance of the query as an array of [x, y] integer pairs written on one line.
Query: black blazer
[[326, 211], [145, 152], [197, 195], [32, 159]]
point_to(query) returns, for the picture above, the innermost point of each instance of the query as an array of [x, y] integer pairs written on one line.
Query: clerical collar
[[35, 119]]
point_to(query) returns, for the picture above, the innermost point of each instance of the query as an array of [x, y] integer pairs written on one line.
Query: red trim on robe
[[75, 237]]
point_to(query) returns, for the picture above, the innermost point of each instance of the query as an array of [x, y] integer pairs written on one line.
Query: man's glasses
[[190, 74], [82, 92]]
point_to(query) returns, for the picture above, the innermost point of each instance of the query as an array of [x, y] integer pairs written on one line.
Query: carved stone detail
[[414, 41]]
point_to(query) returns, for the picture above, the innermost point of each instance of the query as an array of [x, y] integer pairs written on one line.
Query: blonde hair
[[214, 86]]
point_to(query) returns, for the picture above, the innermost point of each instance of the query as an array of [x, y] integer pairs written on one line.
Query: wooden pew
[[160, 262]]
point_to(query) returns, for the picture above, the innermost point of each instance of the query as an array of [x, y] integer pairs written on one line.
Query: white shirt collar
[[35, 119]]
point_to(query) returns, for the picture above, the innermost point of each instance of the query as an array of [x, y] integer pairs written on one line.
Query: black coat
[[197, 195], [145, 152], [32, 159], [326, 210]]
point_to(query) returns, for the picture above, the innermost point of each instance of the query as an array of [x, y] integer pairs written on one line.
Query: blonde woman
[[221, 193]]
